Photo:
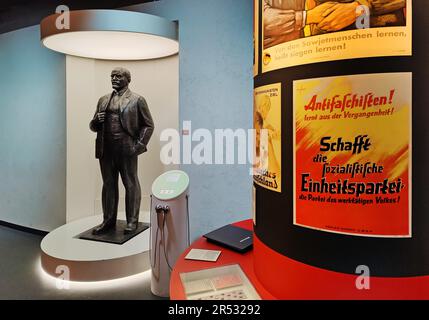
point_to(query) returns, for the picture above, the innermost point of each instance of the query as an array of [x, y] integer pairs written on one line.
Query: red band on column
[[289, 279]]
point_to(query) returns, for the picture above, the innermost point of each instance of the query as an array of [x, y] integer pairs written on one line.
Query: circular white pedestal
[[92, 260]]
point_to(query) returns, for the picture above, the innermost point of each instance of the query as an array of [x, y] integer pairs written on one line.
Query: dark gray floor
[[21, 277]]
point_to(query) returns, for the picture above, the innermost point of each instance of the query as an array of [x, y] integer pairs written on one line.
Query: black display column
[[352, 149]]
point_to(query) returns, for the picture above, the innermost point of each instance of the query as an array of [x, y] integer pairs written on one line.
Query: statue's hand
[[100, 117], [138, 148]]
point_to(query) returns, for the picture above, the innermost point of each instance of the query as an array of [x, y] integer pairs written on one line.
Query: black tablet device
[[232, 237]]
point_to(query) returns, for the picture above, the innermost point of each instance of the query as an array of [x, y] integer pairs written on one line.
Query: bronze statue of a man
[[124, 127]]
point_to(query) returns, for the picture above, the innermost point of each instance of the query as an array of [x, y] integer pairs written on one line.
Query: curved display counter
[[227, 257]]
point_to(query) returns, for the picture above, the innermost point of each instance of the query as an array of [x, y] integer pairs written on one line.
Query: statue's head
[[120, 77]]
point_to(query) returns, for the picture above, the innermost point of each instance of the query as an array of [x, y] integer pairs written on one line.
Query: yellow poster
[[267, 125], [352, 154], [255, 37], [297, 32]]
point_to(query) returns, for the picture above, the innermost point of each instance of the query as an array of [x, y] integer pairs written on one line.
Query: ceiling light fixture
[[111, 35]]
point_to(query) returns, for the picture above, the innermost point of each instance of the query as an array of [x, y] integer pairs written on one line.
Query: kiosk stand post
[[169, 227]]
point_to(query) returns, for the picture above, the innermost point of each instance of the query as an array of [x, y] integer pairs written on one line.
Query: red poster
[[352, 154]]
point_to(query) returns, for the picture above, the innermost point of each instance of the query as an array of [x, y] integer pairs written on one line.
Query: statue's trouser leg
[[110, 193], [129, 176]]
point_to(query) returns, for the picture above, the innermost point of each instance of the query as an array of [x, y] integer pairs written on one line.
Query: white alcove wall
[[87, 80]]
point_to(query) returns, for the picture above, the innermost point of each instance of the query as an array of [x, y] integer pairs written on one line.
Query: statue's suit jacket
[[135, 118]]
